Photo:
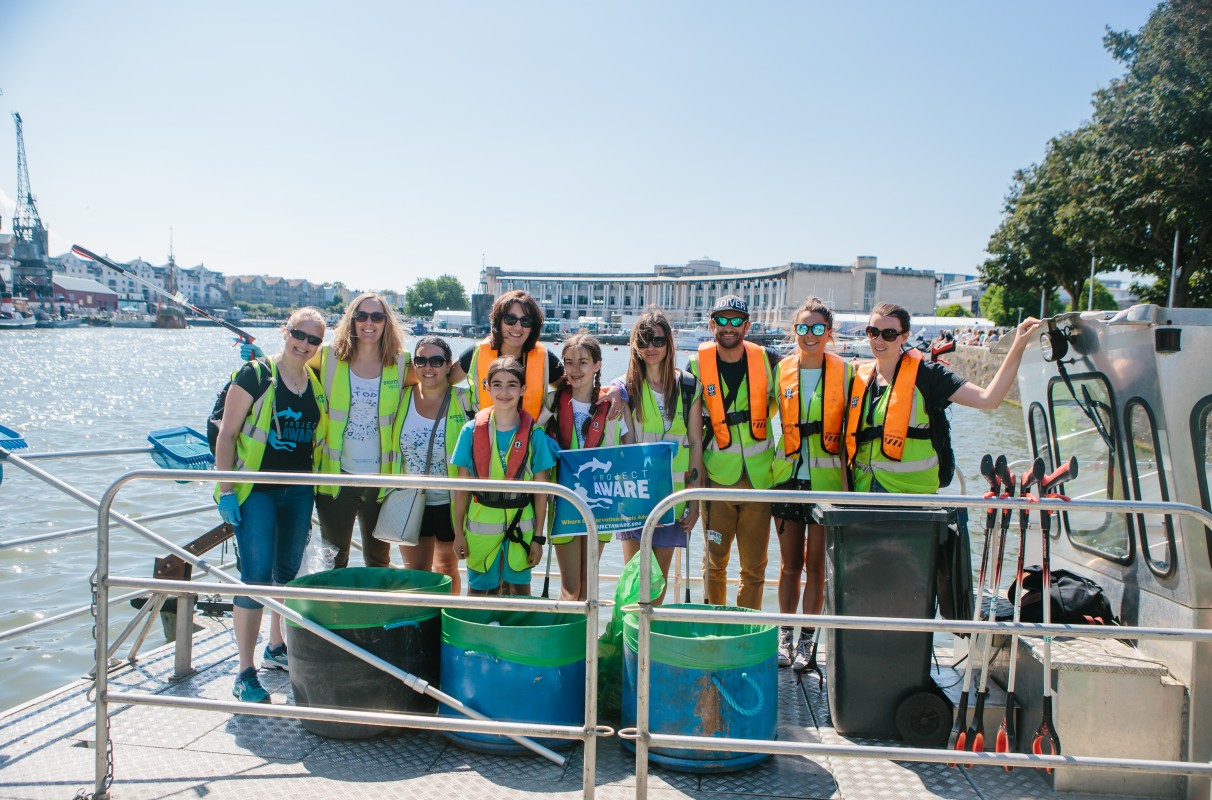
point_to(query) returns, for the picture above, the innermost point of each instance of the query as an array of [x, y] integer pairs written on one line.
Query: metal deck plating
[[46, 751]]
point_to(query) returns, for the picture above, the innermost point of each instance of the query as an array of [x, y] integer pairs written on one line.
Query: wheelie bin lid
[[840, 516]]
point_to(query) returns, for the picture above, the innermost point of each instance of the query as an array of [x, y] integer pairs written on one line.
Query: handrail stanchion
[[104, 754], [589, 768]]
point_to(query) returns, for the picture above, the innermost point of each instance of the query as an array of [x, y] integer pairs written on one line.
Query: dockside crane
[[32, 275]]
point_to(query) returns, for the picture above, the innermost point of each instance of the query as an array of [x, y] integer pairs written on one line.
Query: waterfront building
[[281, 292], [964, 290], [687, 291], [83, 293]]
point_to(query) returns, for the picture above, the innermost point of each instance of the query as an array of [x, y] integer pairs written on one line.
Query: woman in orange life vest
[[500, 533], [888, 441], [812, 404], [578, 422], [657, 395], [516, 325]]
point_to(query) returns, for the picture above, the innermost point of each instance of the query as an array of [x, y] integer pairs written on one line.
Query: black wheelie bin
[[881, 562]]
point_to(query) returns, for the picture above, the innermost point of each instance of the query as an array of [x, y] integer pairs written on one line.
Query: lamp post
[[1020, 316]]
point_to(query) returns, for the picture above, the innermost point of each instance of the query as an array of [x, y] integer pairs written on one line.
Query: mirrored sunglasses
[[818, 329], [373, 316], [301, 336], [430, 361], [887, 334], [654, 341], [510, 319], [724, 322]]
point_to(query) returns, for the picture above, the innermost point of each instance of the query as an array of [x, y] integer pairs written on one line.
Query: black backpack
[[215, 420], [1075, 600], [940, 438]]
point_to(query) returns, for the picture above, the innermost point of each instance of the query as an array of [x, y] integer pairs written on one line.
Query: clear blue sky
[[378, 142]]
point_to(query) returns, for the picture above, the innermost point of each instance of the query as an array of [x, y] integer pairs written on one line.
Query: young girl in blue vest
[[579, 421], [497, 532], [270, 428]]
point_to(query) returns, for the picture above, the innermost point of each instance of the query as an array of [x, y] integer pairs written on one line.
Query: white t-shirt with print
[[360, 446], [414, 443], [580, 413]]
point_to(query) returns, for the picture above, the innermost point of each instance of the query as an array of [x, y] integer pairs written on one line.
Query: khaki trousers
[[749, 525]]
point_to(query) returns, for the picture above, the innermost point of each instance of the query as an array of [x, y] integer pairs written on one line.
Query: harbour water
[[98, 388]]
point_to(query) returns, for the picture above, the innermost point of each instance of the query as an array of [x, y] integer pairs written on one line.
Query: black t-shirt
[[934, 381], [555, 370], [289, 446], [732, 373]]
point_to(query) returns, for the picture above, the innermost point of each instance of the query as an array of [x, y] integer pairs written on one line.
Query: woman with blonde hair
[[273, 421], [363, 372]]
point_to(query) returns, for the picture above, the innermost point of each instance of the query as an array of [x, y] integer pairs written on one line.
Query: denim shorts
[[273, 531]]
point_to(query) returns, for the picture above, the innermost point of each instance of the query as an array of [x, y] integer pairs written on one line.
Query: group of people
[[504, 408]]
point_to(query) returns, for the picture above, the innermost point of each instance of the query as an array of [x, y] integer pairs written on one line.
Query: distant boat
[[170, 317], [15, 319], [691, 338], [131, 321], [418, 329], [60, 322]]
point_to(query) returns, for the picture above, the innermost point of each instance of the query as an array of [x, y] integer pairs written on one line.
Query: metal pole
[[1173, 270], [1090, 292], [101, 763], [1043, 297]]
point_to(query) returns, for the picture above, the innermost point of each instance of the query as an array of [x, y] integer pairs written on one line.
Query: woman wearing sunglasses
[[812, 404], [363, 372], [516, 325], [427, 426], [889, 439], [273, 421], [666, 406]]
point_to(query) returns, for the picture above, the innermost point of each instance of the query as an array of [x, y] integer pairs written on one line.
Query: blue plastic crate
[[11, 440]]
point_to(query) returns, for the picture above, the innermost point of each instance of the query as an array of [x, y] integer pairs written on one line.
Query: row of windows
[[1094, 439]]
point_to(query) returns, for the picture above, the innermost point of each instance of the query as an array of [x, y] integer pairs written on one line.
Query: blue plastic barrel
[[707, 679], [514, 666]]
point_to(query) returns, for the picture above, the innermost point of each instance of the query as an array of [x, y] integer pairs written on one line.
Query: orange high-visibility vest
[[713, 392], [832, 406], [536, 370], [895, 427]]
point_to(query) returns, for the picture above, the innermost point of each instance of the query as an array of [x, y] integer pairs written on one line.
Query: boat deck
[[46, 751]]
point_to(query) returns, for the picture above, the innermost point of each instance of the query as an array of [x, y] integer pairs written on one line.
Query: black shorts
[[793, 512], [436, 522]]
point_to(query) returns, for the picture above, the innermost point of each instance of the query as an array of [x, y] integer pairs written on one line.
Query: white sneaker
[[785, 635], [803, 654]]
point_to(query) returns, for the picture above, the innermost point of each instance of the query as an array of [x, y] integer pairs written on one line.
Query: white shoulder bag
[[402, 511]]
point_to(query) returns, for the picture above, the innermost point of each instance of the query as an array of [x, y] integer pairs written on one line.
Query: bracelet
[[540, 540], [228, 493]]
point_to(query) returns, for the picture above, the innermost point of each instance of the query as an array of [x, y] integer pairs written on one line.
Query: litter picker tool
[[177, 298], [1047, 729], [958, 731], [1006, 735], [976, 731]]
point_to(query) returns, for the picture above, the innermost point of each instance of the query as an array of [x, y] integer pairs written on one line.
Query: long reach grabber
[[1006, 734], [958, 730], [1047, 729]]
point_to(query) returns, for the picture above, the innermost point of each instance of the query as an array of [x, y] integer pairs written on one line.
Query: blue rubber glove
[[229, 509], [249, 351]]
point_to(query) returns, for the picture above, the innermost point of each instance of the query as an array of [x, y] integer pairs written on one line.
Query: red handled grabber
[[1047, 729], [975, 738], [1006, 734], [958, 733]]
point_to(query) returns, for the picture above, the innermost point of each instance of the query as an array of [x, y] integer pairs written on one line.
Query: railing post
[[183, 653]]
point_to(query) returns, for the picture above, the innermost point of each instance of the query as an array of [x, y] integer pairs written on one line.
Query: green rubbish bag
[[610, 643]]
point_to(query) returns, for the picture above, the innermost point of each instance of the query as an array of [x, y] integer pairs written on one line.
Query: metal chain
[[84, 794], [91, 696]]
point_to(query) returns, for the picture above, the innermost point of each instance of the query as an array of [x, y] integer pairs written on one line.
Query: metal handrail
[[69, 532], [645, 738], [587, 734]]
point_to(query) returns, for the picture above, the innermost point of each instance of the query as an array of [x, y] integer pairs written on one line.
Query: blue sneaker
[[248, 689], [274, 658]]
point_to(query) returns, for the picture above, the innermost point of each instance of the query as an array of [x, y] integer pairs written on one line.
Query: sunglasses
[[431, 361], [802, 328], [887, 334], [655, 341], [735, 322], [300, 336], [373, 316], [510, 319]]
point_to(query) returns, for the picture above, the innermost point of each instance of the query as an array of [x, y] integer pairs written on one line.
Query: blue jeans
[[273, 531]]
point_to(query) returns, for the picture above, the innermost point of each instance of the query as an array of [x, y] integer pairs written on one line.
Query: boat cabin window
[[1201, 435], [1041, 441], [1150, 481], [1100, 476]]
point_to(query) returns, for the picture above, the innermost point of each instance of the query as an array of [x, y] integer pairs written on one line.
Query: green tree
[[953, 310], [1001, 304], [1142, 168], [1103, 301], [428, 295]]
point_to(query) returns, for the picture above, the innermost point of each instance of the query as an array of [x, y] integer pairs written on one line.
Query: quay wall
[[978, 365]]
